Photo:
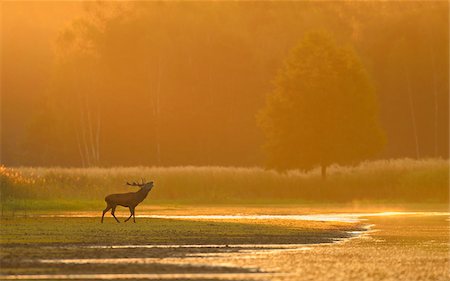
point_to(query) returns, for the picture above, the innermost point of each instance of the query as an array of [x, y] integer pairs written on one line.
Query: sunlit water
[[232, 259], [341, 217], [145, 276]]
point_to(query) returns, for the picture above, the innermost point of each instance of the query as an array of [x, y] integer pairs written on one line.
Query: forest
[[181, 83]]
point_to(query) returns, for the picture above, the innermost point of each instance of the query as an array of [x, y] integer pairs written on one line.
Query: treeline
[[179, 83], [397, 181]]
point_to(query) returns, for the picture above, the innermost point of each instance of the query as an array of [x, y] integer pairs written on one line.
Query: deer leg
[[112, 213], [131, 213], [105, 210], [134, 218]]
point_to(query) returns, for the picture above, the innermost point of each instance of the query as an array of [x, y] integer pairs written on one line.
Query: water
[[341, 217], [166, 276], [261, 261]]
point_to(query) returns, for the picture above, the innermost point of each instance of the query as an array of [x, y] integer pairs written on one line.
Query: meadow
[[388, 181], [50, 223]]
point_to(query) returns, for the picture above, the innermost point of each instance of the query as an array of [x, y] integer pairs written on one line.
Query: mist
[[180, 83]]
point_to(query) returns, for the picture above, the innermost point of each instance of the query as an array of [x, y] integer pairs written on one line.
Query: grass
[[26, 240], [44, 230], [400, 181]]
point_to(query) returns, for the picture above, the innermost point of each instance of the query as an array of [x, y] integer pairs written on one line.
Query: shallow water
[[225, 246], [166, 276], [286, 261], [340, 217]]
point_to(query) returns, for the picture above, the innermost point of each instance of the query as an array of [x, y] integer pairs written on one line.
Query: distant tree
[[323, 109]]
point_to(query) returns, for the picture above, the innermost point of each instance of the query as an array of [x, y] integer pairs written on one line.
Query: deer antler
[[134, 184]]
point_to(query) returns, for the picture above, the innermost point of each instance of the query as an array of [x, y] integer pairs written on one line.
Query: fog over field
[[224, 140]]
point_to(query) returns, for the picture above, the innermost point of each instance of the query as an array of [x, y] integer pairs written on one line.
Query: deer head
[[144, 185]]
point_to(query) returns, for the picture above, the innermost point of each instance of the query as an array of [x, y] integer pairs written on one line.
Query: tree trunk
[[324, 172], [413, 115], [157, 117], [82, 124], [80, 150], [97, 138], [436, 105]]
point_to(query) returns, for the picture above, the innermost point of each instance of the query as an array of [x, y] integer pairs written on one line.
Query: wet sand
[[375, 246]]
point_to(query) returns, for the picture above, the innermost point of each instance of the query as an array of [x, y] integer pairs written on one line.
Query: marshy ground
[[257, 244]]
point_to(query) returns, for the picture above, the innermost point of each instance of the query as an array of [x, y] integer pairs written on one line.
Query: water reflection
[[261, 261], [166, 276], [340, 217]]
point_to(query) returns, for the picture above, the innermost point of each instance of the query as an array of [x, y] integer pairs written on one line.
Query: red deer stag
[[130, 199]]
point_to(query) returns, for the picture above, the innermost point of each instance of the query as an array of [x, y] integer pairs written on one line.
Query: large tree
[[175, 83], [323, 109]]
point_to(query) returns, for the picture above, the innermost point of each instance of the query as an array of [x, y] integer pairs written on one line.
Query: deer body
[[129, 199]]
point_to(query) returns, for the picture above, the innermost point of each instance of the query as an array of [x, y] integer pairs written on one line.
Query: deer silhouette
[[130, 199]]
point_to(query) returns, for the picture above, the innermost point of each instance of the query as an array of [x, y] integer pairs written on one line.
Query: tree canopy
[[179, 83], [323, 109]]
